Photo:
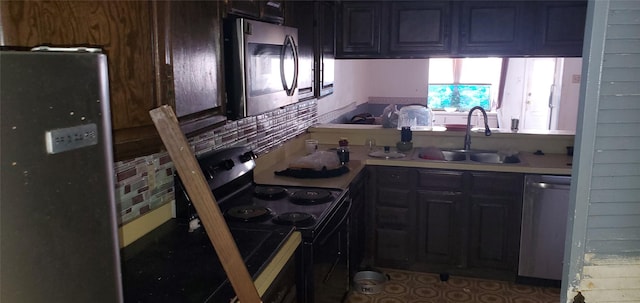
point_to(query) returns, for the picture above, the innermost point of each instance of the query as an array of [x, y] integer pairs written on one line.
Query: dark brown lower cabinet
[[459, 222], [439, 228]]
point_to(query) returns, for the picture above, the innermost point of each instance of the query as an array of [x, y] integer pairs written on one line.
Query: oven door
[[331, 259]]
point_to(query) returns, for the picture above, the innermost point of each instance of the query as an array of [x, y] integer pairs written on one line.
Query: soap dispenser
[[406, 136]]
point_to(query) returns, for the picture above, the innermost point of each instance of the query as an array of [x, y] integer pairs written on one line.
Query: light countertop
[[555, 164]]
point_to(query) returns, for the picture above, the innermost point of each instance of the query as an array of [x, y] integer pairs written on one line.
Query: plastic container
[[418, 117]]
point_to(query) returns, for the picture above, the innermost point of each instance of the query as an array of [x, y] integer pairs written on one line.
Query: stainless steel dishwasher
[[544, 225]]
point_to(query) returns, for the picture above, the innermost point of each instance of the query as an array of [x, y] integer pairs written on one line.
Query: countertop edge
[[551, 164], [271, 271]]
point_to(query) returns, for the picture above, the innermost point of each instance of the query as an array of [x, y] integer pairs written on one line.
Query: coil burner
[[249, 213], [311, 196], [269, 192]]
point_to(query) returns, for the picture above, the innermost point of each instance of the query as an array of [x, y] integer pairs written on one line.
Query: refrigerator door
[[58, 227]]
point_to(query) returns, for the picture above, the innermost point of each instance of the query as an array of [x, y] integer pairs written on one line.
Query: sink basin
[[494, 158], [436, 154], [454, 155], [474, 155]]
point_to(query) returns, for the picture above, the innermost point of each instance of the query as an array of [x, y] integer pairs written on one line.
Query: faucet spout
[[467, 136]]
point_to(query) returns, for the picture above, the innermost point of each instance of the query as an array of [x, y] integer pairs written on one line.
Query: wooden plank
[[607, 246], [616, 169], [613, 221], [619, 115], [612, 283], [617, 234], [612, 259], [619, 88], [615, 295], [622, 47], [626, 5], [624, 17], [611, 271], [627, 74], [615, 143], [617, 156], [615, 182], [617, 130], [620, 60], [623, 31], [626, 208], [615, 195], [205, 203]]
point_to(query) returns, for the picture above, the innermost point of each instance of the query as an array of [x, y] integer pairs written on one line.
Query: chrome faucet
[[467, 136]]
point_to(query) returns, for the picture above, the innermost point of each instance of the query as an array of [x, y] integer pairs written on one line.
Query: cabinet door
[[300, 14], [394, 247], [361, 29], [357, 224], [326, 36], [420, 28], [559, 28], [495, 217], [491, 234], [195, 64], [244, 8], [267, 10], [440, 223], [493, 28], [123, 29], [272, 10]]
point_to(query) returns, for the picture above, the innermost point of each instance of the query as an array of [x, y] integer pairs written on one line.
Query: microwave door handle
[[288, 42]]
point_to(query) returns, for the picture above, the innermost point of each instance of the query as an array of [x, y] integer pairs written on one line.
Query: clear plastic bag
[[390, 116], [319, 160]]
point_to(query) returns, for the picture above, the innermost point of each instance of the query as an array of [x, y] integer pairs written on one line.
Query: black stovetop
[[171, 264], [293, 200]]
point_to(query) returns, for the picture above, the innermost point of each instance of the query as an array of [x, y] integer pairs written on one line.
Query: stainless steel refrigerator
[[58, 228]]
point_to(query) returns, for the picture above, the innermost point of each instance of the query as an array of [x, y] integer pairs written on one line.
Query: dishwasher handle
[[547, 185]]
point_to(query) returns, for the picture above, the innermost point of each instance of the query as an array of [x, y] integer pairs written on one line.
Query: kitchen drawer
[[394, 197], [440, 180], [395, 218], [503, 184], [394, 176]]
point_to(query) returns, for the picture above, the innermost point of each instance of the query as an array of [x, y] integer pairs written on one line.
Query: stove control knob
[[247, 156], [227, 164]]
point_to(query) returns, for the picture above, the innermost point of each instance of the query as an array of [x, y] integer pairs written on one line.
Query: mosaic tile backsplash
[[146, 183]]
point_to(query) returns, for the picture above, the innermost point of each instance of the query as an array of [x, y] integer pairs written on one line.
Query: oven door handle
[[326, 238]]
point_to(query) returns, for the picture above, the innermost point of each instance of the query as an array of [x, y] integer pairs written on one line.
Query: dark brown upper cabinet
[[492, 28], [360, 32], [325, 57], [266, 10], [315, 21], [300, 14], [560, 28], [389, 29], [424, 29], [164, 52], [420, 28], [192, 62], [125, 31]]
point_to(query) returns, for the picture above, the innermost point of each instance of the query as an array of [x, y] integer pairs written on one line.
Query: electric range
[[319, 214]]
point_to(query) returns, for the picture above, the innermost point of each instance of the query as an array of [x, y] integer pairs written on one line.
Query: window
[[460, 84]]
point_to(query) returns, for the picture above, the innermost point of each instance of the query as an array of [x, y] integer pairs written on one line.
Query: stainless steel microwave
[[261, 66]]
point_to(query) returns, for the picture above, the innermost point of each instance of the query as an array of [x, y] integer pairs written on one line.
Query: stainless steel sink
[[494, 158], [454, 155], [480, 156]]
